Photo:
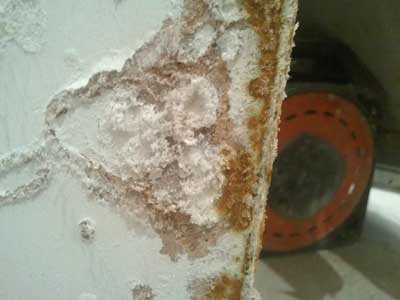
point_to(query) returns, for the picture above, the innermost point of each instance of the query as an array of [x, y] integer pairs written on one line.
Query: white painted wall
[[119, 120], [47, 45], [64, 229]]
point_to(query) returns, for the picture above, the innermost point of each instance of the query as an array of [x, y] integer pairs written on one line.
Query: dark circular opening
[[306, 175]]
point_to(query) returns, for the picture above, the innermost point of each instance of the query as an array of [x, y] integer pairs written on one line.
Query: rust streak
[[224, 287], [264, 17], [240, 179]]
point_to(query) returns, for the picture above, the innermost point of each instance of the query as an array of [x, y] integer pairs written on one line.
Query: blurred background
[[367, 269], [333, 226]]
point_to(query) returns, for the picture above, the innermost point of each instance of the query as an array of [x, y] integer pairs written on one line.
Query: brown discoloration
[[155, 70], [268, 177], [264, 17], [164, 66], [224, 287], [261, 236], [247, 259], [257, 126], [195, 13], [178, 234], [238, 190], [152, 72]]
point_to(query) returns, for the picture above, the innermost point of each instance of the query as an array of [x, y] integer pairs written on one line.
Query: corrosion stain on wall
[[160, 127], [216, 288], [172, 141], [262, 86], [235, 201]]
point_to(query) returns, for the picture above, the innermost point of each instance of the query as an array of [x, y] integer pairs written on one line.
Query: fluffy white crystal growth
[[160, 142]]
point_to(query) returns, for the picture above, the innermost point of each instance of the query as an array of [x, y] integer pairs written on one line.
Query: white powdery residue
[[226, 10], [73, 62], [164, 140], [17, 175], [242, 70], [192, 107], [139, 132], [146, 149], [22, 22], [198, 45], [203, 185], [230, 44], [23, 174]]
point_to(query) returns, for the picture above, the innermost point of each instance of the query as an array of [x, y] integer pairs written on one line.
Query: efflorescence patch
[[157, 142], [24, 174], [162, 133]]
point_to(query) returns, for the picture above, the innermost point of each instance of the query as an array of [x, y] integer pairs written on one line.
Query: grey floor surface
[[369, 269]]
